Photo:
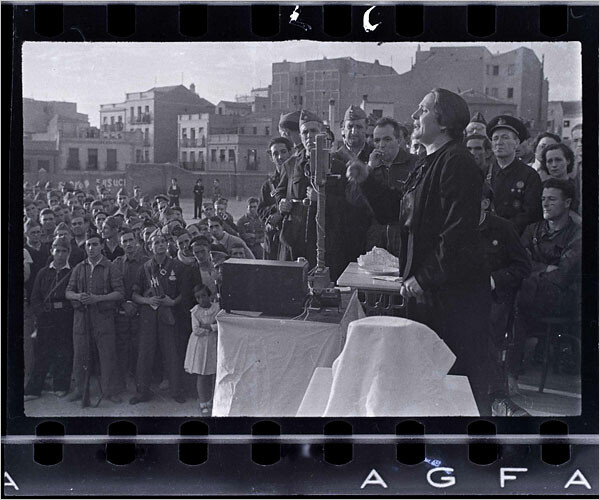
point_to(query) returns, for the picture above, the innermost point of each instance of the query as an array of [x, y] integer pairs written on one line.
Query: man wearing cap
[[162, 203], [219, 235], [127, 318], [348, 215], [298, 233], [95, 288], [110, 234], [477, 125], [517, 187], [158, 290], [54, 319], [289, 128]]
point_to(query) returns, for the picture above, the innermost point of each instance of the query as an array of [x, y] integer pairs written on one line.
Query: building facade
[[563, 116], [154, 113]]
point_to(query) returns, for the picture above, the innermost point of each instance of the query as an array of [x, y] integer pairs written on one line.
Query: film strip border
[[189, 22], [156, 456]]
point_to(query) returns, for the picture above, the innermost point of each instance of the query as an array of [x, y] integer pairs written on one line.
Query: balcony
[[113, 127], [193, 143], [143, 118]]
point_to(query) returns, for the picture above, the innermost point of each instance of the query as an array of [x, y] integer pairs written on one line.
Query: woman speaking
[[446, 283]]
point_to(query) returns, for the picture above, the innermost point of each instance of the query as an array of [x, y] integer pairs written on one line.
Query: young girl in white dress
[[201, 354]]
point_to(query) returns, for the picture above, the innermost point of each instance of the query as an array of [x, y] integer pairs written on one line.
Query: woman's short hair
[[569, 155], [451, 112], [541, 135]]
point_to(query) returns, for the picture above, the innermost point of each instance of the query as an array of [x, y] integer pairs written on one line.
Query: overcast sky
[[91, 74]]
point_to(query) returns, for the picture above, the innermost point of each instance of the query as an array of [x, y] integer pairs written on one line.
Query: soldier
[[174, 193], [198, 195], [391, 165], [54, 319], [481, 149], [517, 187], [110, 234], [157, 290], [279, 150], [289, 128], [127, 319], [477, 125], [252, 228], [162, 204], [348, 215], [508, 264], [95, 288], [298, 232]]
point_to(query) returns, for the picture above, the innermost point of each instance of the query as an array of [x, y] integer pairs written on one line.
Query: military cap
[[38, 184], [26, 185], [62, 226], [308, 116], [290, 120], [48, 185], [478, 118], [155, 234], [355, 113], [166, 230], [40, 197], [510, 123], [61, 241], [122, 192], [161, 197], [46, 211]]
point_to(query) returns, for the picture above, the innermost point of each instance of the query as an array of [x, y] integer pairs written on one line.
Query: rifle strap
[[56, 286]]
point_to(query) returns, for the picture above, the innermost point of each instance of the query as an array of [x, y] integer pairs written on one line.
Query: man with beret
[[54, 319], [477, 125], [517, 187], [95, 288], [158, 290], [298, 233], [290, 129], [110, 234]]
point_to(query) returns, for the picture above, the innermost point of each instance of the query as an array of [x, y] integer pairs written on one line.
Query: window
[[147, 110], [120, 119], [496, 70], [254, 130], [138, 156], [566, 123], [111, 159], [301, 82], [131, 112], [193, 156], [221, 155], [184, 156], [112, 120], [213, 155], [231, 157], [267, 130], [139, 111], [509, 93], [92, 163], [252, 160], [487, 69], [104, 119], [184, 133], [147, 156], [494, 92], [192, 133], [73, 159], [300, 99], [220, 111], [487, 91]]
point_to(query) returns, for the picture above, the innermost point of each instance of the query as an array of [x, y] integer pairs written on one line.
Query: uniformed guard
[[158, 289], [127, 318], [95, 287], [54, 319], [517, 187], [477, 125]]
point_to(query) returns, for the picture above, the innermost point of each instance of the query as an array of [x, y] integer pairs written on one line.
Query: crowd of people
[[486, 225]]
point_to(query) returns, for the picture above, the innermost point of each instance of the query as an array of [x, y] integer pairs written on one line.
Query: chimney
[[192, 88], [331, 113], [377, 61], [363, 104]]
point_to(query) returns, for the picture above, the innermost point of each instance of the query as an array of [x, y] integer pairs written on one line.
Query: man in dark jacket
[[517, 187]]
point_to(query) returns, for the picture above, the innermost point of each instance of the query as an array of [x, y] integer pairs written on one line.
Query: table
[[264, 364], [381, 297]]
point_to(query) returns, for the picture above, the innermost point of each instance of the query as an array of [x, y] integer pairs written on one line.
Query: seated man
[[553, 286]]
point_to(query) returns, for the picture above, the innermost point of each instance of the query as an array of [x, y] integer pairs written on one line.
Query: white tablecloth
[[264, 365]]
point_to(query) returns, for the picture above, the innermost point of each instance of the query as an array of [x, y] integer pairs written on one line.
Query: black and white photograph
[[302, 229]]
